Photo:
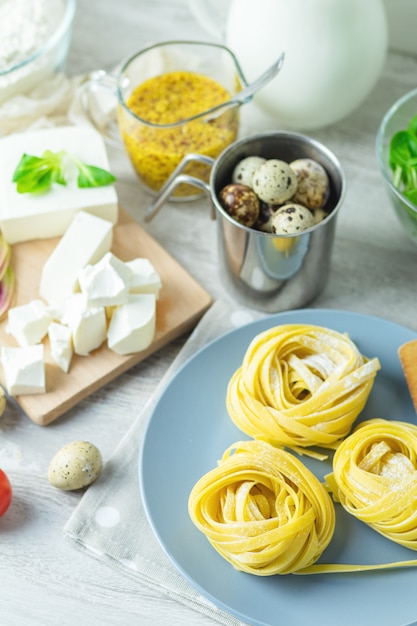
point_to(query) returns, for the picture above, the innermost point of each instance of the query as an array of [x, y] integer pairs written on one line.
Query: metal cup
[[262, 270]]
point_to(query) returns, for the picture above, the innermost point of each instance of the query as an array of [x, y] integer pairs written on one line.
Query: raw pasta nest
[[375, 479], [300, 385], [263, 510]]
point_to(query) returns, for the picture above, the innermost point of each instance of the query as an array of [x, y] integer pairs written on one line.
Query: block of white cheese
[[24, 217], [60, 342], [86, 240], [106, 282], [143, 277], [24, 369], [28, 323], [132, 325], [88, 324]]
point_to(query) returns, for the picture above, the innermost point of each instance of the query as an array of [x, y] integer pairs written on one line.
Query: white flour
[[25, 26]]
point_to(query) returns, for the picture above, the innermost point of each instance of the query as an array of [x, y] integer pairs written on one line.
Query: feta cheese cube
[[132, 326], [143, 277], [24, 369], [106, 282], [87, 239], [24, 217], [60, 341], [88, 324], [28, 323]]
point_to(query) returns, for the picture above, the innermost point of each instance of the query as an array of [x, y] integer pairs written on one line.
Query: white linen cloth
[[111, 523]]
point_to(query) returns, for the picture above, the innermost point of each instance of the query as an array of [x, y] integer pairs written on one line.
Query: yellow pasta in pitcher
[[299, 386], [375, 478], [263, 510]]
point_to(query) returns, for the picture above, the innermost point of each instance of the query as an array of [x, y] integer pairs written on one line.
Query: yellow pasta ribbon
[[299, 386], [263, 510], [375, 478]]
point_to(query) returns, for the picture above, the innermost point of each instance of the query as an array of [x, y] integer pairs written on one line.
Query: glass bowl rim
[[381, 135], [56, 36]]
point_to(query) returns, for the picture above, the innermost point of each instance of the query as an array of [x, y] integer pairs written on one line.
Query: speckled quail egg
[[313, 183], [266, 213], [291, 219], [241, 203], [245, 169], [76, 465], [274, 182], [319, 215]]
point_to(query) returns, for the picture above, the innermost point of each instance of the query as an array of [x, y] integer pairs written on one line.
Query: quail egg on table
[[241, 203], [244, 171], [76, 465], [274, 181], [313, 186], [292, 219]]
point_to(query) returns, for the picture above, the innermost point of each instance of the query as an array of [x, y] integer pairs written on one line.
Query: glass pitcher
[[171, 102]]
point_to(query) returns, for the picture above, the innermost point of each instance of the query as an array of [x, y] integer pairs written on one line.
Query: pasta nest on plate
[[263, 510], [300, 385], [375, 478]]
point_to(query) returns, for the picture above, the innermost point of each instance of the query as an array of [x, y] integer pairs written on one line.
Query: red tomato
[[5, 493]]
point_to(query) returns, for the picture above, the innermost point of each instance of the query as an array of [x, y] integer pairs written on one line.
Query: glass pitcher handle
[[98, 100]]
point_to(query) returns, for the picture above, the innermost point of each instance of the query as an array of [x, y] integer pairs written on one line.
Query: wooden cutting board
[[181, 304]]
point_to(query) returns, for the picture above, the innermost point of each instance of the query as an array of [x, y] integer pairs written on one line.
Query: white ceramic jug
[[334, 52]]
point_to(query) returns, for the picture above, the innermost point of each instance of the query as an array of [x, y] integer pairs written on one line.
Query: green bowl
[[397, 118]]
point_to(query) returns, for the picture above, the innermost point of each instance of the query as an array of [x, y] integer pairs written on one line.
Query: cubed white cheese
[[24, 369], [88, 324], [71, 308], [87, 239], [28, 323], [105, 283], [132, 326], [60, 342], [143, 277], [26, 216]]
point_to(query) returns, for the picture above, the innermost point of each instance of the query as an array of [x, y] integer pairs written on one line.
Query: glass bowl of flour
[[34, 41]]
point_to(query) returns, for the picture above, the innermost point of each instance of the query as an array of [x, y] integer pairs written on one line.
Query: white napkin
[[48, 104], [110, 522]]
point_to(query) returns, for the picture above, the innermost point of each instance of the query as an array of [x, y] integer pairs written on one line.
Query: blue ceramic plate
[[189, 431]]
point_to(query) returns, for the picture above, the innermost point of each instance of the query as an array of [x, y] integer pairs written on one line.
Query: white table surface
[[45, 581]]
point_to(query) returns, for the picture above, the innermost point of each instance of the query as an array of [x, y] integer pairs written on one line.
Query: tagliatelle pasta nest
[[375, 478], [299, 386], [263, 510]]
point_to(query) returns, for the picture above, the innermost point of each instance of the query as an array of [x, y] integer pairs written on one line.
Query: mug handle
[[175, 179], [211, 15], [98, 100]]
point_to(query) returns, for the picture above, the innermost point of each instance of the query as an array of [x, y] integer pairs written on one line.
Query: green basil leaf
[[35, 174], [27, 166], [92, 176]]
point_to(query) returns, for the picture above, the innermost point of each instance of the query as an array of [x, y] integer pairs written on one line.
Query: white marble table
[[43, 580]]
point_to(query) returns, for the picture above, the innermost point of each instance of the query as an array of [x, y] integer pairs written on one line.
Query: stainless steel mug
[[263, 270]]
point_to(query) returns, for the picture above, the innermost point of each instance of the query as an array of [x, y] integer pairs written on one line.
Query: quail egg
[[245, 169], [241, 203], [313, 186], [76, 465], [319, 215], [266, 213], [291, 219], [275, 182]]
